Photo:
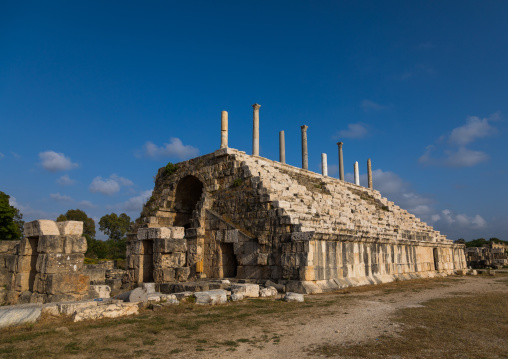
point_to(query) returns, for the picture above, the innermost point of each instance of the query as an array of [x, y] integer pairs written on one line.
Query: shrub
[[171, 168]]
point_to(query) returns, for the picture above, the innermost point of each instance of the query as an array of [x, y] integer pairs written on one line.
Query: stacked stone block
[[158, 254], [483, 257], [48, 263], [295, 224]]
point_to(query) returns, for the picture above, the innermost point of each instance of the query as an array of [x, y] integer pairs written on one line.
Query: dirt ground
[[459, 317]]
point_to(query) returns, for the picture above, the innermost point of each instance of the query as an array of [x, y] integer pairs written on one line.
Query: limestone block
[[13, 316], [28, 246], [97, 275], [72, 307], [26, 264], [177, 232], [149, 287], [106, 311], [231, 236], [235, 297], [268, 292], [142, 234], [247, 289], [70, 228], [211, 297], [163, 232], [8, 247], [172, 260], [61, 283], [11, 262], [51, 310], [164, 245], [162, 275], [294, 297], [183, 295], [22, 281], [182, 274], [102, 291], [41, 227], [51, 244], [51, 263], [75, 244]]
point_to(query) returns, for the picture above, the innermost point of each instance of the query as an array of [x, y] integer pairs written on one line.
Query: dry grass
[[189, 330], [471, 326]]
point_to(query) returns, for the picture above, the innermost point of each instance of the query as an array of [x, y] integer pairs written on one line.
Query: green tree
[[115, 226], [79, 215], [11, 223]]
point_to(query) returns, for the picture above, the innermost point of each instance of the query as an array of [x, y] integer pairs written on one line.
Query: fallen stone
[[156, 307], [71, 307], [106, 311], [268, 292], [51, 310], [211, 297], [293, 297], [182, 295], [235, 297], [149, 287], [248, 290], [16, 316], [103, 291], [170, 301]]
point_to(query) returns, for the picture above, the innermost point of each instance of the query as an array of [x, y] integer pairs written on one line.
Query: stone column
[[282, 147], [255, 130], [341, 162], [224, 130], [324, 164], [357, 174], [305, 154], [369, 173]]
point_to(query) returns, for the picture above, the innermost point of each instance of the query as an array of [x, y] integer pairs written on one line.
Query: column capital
[[340, 144], [304, 128], [256, 106]]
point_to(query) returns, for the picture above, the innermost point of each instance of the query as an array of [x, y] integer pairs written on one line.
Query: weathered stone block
[[182, 274], [106, 311], [28, 246], [294, 297], [10, 262], [41, 227], [26, 263], [62, 283], [51, 263], [247, 289], [8, 247], [74, 228], [23, 281], [177, 232], [16, 316], [172, 260], [163, 245], [231, 236], [162, 275], [102, 291], [51, 244], [211, 297]]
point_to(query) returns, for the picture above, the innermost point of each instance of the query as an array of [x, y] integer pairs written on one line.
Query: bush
[[171, 168]]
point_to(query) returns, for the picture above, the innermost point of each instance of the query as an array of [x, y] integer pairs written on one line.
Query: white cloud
[[456, 154], [473, 129], [30, 214], [133, 204], [355, 130], [109, 186], [399, 191], [65, 180], [368, 105], [86, 203], [1, 155], [175, 148], [54, 162], [60, 198]]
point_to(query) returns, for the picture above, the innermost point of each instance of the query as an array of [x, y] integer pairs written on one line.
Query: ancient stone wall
[[275, 221], [47, 264]]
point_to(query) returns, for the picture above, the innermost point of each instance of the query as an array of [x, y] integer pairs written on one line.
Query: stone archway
[[188, 193]]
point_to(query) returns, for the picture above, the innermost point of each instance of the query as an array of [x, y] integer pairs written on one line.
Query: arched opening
[[188, 193]]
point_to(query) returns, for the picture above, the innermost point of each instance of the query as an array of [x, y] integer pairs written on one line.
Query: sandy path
[[364, 320]]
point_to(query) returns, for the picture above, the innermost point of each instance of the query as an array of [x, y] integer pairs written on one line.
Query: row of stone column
[[282, 148]]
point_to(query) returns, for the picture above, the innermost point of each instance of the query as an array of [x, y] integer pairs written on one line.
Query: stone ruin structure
[[494, 256], [46, 265], [228, 214]]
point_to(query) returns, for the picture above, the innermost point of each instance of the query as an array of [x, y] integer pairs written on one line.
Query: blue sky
[[95, 97]]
